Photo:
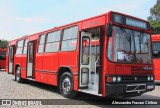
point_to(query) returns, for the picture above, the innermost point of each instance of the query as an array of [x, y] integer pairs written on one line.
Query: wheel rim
[[18, 75], [66, 85]]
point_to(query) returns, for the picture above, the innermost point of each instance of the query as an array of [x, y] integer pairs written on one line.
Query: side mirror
[[109, 30]]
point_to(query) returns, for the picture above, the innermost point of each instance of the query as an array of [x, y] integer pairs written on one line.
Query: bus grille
[[130, 79], [134, 88]]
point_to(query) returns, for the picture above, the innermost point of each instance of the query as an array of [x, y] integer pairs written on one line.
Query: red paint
[[3, 60], [47, 65], [156, 61]]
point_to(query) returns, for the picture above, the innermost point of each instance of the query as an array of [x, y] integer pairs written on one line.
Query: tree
[[154, 17], [3, 43]]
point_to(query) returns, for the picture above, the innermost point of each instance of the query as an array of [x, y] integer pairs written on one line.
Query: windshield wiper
[[124, 31]]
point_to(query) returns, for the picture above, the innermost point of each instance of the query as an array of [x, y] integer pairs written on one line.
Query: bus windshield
[[129, 46], [156, 49]]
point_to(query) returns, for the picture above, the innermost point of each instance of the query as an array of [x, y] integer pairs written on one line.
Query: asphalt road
[[10, 89]]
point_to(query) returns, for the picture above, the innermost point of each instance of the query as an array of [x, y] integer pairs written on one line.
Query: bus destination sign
[[136, 23]]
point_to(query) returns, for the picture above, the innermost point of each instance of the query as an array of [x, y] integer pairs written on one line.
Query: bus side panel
[[50, 64], [157, 74], [38, 76], [3, 60], [44, 77], [63, 58], [52, 79], [95, 22], [105, 65], [38, 67], [2, 64], [17, 60], [6, 62], [69, 59], [23, 66], [73, 63], [156, 68]]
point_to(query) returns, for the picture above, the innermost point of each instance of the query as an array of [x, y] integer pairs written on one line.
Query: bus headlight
[[152, 78], [119, 79], [114, 79], [149, 78]]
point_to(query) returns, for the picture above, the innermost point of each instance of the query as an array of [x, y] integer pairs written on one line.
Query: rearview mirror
[[109, 30]]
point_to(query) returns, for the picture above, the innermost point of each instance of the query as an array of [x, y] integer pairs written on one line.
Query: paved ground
[[10, 89]]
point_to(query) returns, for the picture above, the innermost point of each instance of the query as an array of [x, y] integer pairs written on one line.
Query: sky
[[19, 18]]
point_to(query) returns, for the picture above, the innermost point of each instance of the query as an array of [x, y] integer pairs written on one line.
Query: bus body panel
[[95, 22], [3, 59], [8, 55], [47, 65], [156, 61]]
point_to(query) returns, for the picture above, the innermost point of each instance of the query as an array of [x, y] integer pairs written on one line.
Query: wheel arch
[[16, 66], [62, 70]]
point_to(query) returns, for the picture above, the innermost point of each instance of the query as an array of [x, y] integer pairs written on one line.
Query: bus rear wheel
[[18, 75], [66, 86]]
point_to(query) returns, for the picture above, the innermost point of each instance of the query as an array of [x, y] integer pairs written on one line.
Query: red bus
[[156, 56], [106, 55], [2, 58]]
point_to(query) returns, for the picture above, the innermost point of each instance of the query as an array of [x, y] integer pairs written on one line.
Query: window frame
[[62, 34], [107, 48], [153, 56], [41, 44], [53, 41], [83, 51], [25, 46], [19, 47]]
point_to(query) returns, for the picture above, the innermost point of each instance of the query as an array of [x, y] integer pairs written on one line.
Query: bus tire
[[18, 75], [66, 85]]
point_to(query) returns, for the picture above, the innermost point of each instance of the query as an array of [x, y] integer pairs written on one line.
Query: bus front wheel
[[66, 86], [18, 75]]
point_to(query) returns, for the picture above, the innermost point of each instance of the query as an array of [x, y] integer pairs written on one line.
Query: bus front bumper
[[126, 88]]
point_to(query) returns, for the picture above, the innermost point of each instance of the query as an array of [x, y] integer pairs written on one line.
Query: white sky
[[24, 17]]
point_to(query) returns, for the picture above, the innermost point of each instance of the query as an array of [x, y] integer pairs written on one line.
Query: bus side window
[[85, 50], [52, 43], [25, 47], [19, 47], [11, 54], [30, 53], [69, 39], [41, 43]]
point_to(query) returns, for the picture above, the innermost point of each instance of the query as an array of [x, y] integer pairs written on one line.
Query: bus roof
[[71, 24]]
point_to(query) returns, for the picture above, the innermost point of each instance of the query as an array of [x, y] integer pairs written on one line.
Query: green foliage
[[154, 17], [3, 44], [155, 27]]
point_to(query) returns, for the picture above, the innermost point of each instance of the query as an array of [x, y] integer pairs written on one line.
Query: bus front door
[[30, 59], [11, 60], [89, 75]]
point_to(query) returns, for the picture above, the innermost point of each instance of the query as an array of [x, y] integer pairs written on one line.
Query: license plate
[[150, 87]]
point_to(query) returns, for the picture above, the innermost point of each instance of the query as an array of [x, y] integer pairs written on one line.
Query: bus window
[[31, 53], [19, 47], [85, 50], [25, 47], [69, 37], [2, 56], [41, 43], [52, 44], [156, 49]]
